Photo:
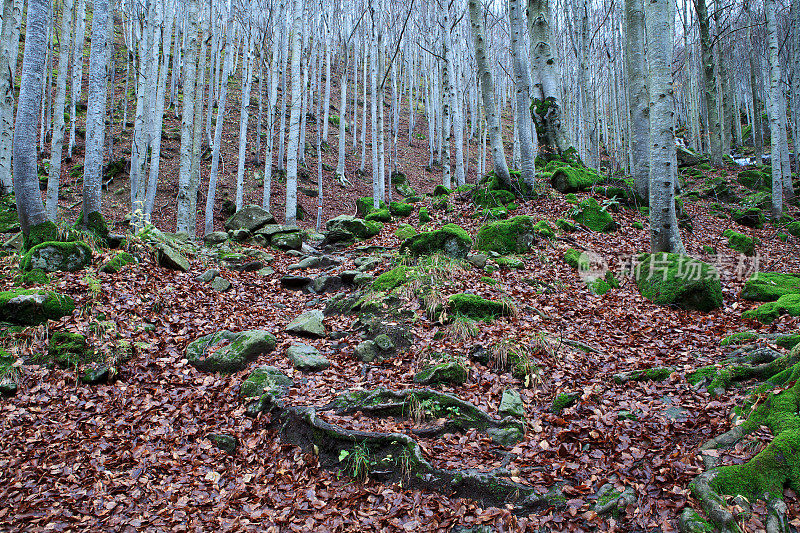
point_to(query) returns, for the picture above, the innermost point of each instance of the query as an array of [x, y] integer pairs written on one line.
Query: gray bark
[[10, 26], [637, 95], [709, 83], [777, 134], [522, 84], [77, 72], [294, 119], [187, 122]]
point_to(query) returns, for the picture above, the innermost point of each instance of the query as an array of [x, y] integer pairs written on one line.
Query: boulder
[[228, 352], [251, 218], [326, 284], [287, 241], [477, 308], [169, 257], [31, 307], [307, 358], [57, 256], [678, 280], [220, 284], [295, 283], [226, 443], [511, 404], [400, 209], [516, 235], [366, 205], [592, 215], [348, 227], [215, 237], [568, 179], [769, 286], [263, 388], [379, 215], [309, 323], [740, 242], [450, 372], [687, 158], [451, 240], [115, 264], [208, 275]]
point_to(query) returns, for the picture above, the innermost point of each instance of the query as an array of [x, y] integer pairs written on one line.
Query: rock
[[379, 215], [69, 350], [247, 266], [516, 235], [270, 230], [215, 237], [57, 256], [251, 218], [307, 358], [391, 279], [367, 263], [509, 261], [208, 275], [678, 280], [768, 312], [740, 242], [449, 372], [507, 436], [226, 443], [367, 351], [477, 260], [168, 257], [30, 307], [266, 271], [363, 278], [451, 240], [308, 262], [287, 241], [309, 323], [567, 179], [115, 264], [511, 404], [610, 500], [400, 209], [751, 217], [687, 158], [691, 522], [8, 388], [348, 227], [769, 286], [366, 205], [563, 401], [326, 284], [265, 380], [220, 284], [477, 308], [592, 215], [295, 283], [348, 276], [14, 242], [240, 235], [229, 352], [95, 373]]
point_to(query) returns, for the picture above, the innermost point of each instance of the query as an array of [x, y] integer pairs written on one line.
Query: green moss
[[379, 215], [572, 257], [116, 263], [659, 373], [69, 350], [737, 339], [492, 198], [740, 242], [57, 256], [769, 286], [637, 225], [451, 240], [755, 179], [44, 232], [54, 307], [37, 276], [477, 308], [489, 281], [364, 206], [509, 261], [96, 225], [544, 229], [767, 313], [571, 198], [450, 372], [570, 179], [678, 280], [788, 341], [9, 220], [400, 209], [601, 286], [794, 228], [405, 231], [592, 215], [706, 373], [566, 225], [372, 228], [391, 279], [563, 401], [424, 217], [507, 237], [441, 190]]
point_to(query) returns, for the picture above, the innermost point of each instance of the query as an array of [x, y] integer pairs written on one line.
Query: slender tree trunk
[[757, 127], [589, 114], [522, 84], [197, 141], [340, 170], [58, 128], [9, 50], [282, 127], [637, 95], [294, 119], [247, 83], [187, 123], [327, 106], [777, 134], [77, 72], [487, 87], [709, 83], [273, 100], [664, 233]]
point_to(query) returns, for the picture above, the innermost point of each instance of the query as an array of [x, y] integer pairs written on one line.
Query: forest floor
[[133, 454]]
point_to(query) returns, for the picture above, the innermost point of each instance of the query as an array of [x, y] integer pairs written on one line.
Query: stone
[[226, 443], [449, 372], [368, 263], [287, 241], [295, 283], [326, 284], [307, 358], [14, 242], [384, 342], [220, 284], [247, 266], [57, 256], [363, 278], [208, 275], [265, 380], [516, 235], [507, 436], [348, 227], [240, 235], [366, 351], [477, 308], [769, 286], [168, 257], [95, 373], [687, 158], [662, 278], [511, 404], [309, 323], [309, 262], [116, 263], [451, 240], [251, 218], [477, 260], [266, 271], [228, 352], [592, 215], [348, 276], [30, 307], [214, 238]]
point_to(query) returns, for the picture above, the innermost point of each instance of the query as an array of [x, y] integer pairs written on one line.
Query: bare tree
[[637, 95]]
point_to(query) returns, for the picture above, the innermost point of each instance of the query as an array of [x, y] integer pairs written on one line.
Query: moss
[[566, 225], [496, 213], [405, 231], [752, 217], [54, 307], [391, 279], [116, 263], [509, 261], [563, 401], [451, 239], [678, 280], [507, 237], [769, 286], [477, 308], [570, 179], [441, 190], [768, 312], [424, 216], [69, 350], [96, 225], [37, 276], [489, 281], [742, 337], [544, 229], [740, 242], [755, 179], [44, 232], [400, 209], [794, 228], [57, 256], [571, 198], [364, 206], [492, 198], [637, 225], [449, 372], [601, 286], [379, 215], [372, 228], [572, 257], [9, 220], [659, 373], [706, 373], [788, 341], [592, 215]]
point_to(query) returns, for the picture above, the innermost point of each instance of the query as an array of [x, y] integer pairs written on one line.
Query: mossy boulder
[[400, 182], [793, 228], [449, 372], [405, 231], [9, 220], [544, 229], [563, 401], [365, 205], [94, 224], [69, 350], [592, 215], [769, 286], [379, 215], [488, 199], [287, 240], [227, 352], [308, 324], [477, 308], [755, 179], [250, 218], [576, 259], [566, 179], [566, 225], [740, 242], [511, 404], [265, 380], [509, 261], [450, 239], [348, 227], [307, 358], [749, 216], [391, 279], [424, 216], [115, 264], [38, 234], [36, 276], [56, 256], [678, 280], [30, 307], [512, 236], [170, 258], [400, 209], [737, 339], [788, 304], [441, 190], [601, 285]]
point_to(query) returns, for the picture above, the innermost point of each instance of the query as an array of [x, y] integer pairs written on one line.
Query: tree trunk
[[244, 116], [9, 49], [777, 134], [757, 126], [637, 95], [709, 83], [522, 84], [187, 122], [272, 103], [77, 72], [664, 233], [294, 119], [197, 141], [487, 88]]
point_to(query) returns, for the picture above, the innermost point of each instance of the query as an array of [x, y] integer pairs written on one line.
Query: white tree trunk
[[184, 219], [709, 81], [522, 87], [10, 26], [777, 136], [77, 72], [294, 119], [244, 115], [273, 100], [197, 141], [327, 104], [637, 95]]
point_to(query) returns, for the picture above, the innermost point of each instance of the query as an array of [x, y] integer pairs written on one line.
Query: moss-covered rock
[[592, 215], [566, 225], [30, 307], [739, 338], [568, 179], [793, 228], [769, 286], [563, 401], [287, 240], [228, 352], [755, 179], [576, 259], [250, 218], [767, 313], [740, 242], [379, 215], [400, 209], [450, 372], [441, 190], [9, 220], [544, 229], [365, 206], [751, 217], [511, 404], [424, 216], [69, 350], [788, 341], [509, 261], [265, 380], [659, 373], [37, 276], [451, 240], [477, 308], [678, 280], [391, 279], [348, 227], [488, 199], [57, 256], [38, 234], [94, 224], [601, 285], [116, 263], [405, 231], [512, 236], [170, 258]]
